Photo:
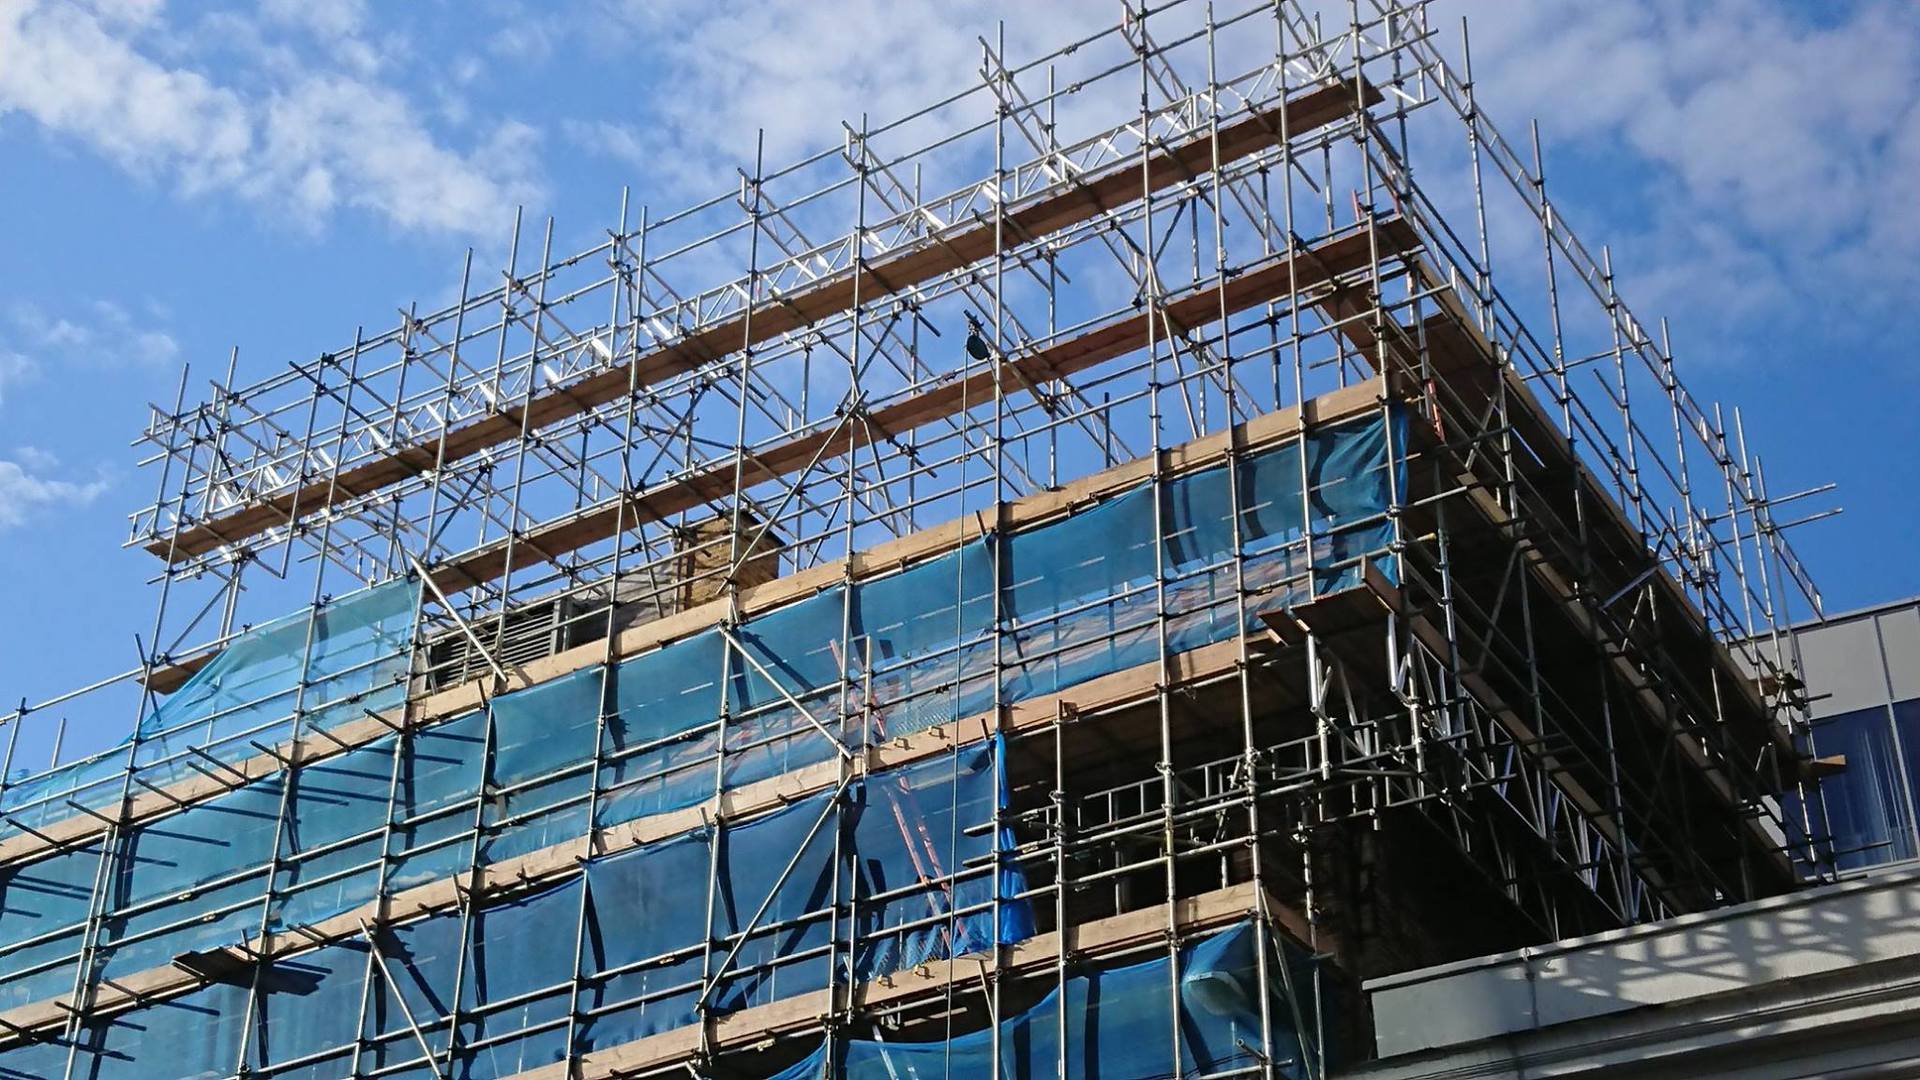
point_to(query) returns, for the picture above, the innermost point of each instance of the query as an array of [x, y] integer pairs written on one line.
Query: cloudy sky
[[181, 179]]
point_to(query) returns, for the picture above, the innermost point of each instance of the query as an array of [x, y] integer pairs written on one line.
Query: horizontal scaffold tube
[[1069, 205]]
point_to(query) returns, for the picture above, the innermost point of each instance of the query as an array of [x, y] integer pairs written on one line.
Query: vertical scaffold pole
[[1163, 678], [111, 839], [290, 776], [626, 284], [717, 826]]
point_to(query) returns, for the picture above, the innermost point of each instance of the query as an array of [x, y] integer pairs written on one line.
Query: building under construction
[[1067, 583]]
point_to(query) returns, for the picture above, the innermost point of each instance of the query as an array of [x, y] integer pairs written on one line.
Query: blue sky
[[180, 179]]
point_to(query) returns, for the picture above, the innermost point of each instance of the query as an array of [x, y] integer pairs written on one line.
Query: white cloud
[[621, 142], [102, 334], [333, 140], [32, 457], [1770, 148], [15, 369], [325, 18], [128, 12], [280, 133], [69, 73], [797, 70], [28, 488]]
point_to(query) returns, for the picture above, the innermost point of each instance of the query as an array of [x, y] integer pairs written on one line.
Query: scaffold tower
[[1067, 582]]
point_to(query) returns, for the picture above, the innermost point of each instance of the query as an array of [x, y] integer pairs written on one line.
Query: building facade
[[1863, 678], [1823, 982]]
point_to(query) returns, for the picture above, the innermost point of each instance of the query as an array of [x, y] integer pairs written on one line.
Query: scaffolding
[[1104, 570]]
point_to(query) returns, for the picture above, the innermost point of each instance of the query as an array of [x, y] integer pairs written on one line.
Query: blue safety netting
[[35, 1061], [924, 638], [306, 1011], [197, 879], [916, 846], [192, 1037], [332, 661], [662, 730], [542, 769], [207, 863], [915, 849], [1127, 1023], [891, 655], [43, 910], [332, 840], [440, 773], [36, 801]]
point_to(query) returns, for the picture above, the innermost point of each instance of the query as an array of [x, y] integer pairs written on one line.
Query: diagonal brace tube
[[746, 932], [790, 699], [380, 964]]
